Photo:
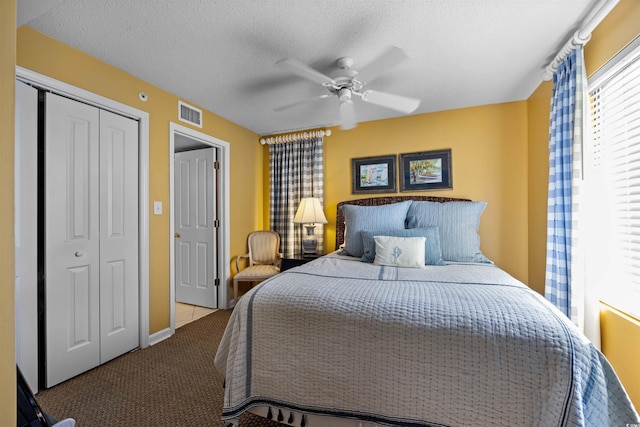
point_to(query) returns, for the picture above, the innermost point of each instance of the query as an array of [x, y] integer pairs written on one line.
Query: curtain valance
[[290, 137]]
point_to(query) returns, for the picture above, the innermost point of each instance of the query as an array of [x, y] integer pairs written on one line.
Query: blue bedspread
[[459, 345]]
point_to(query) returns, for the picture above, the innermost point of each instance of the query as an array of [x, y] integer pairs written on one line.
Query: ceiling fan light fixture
[[344, 95], [347, 115]]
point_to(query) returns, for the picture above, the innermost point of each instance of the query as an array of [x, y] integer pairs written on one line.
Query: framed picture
[[429, 170], [374, 174]]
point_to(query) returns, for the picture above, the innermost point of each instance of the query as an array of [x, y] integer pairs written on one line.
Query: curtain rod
[[278, 139], [580, 37]]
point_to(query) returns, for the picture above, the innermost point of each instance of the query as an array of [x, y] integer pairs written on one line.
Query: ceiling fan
[[346, 82]]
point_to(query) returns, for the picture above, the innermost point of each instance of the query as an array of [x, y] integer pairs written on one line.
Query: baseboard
[[159, 336]]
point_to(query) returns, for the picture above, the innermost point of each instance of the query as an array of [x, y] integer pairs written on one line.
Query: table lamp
[[309, 214]]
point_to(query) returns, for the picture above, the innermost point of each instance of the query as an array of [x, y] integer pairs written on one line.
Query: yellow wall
[[489, 162], [59, 61], [617, 328], [7, 244], [615, 32]]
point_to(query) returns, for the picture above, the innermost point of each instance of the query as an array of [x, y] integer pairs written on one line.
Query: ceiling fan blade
[[302, 70], [389, 58], [299, 103], [388, 100], [347, 115]]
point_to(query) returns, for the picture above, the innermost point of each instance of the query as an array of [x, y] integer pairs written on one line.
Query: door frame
[[223, 213], [31, 77]]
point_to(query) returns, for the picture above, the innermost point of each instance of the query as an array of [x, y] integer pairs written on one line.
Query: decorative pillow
[[433, 252], [362, 218], [400, 251], [458, 223]]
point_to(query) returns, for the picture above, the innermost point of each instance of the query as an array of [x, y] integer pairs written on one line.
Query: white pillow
[[400, 251]]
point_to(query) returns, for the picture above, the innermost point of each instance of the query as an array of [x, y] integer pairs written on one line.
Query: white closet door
[[195, 215], [72, 238], [118, 235], [91, 269]]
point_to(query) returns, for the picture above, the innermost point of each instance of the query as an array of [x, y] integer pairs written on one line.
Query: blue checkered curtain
[[563, 279], [296, 171]]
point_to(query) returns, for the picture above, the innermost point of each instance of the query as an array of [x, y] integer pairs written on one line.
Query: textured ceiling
[[220, 54]]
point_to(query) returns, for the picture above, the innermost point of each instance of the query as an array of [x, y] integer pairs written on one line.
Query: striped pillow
[[458, 223], [363, 218]]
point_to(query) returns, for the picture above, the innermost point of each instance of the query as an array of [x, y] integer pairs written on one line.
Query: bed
[[407, 323]]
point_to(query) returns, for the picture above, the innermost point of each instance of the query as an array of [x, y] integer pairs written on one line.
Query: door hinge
[[216, 282], [216, 164], [216, 223]]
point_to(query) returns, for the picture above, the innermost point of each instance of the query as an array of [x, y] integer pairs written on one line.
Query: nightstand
[[296, 260]]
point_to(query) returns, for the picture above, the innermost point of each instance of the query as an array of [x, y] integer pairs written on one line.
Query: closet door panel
[[78, 291], [71, 238], [118, 235]]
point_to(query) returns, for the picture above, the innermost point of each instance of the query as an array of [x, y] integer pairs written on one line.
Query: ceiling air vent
[[189, 114]]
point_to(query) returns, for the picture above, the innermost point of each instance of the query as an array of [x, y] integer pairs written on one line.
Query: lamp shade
[[310, 212]]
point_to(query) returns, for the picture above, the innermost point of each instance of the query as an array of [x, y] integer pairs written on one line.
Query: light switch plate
[[157, 208]]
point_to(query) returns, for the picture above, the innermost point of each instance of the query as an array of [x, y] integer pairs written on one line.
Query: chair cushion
[[257, 272]]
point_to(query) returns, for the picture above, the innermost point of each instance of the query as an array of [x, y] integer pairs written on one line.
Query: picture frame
[[427, 170], [373, 174]]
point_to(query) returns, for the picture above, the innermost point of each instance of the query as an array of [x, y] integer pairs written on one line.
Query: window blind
[[615, 181]]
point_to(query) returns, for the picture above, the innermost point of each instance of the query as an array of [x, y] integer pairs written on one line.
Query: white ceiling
[[220, 54]]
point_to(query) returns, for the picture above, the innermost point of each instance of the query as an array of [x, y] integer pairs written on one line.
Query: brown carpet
[[173, 383]]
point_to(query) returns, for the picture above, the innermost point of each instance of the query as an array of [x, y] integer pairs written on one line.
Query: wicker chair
[[263, 259]]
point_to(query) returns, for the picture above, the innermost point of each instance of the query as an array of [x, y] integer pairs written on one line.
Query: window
[[612, 182]]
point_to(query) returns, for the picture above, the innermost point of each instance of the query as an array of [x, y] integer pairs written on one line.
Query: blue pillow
[[458, 223], [432, 250], [362, 218]]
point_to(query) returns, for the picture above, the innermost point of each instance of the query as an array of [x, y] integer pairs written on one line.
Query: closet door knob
[[177, 234], [78, 254]]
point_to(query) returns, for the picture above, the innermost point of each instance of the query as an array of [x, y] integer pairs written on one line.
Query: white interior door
[[72, 230], [195, 226], [26, 232], [119, 286], [91, 249]]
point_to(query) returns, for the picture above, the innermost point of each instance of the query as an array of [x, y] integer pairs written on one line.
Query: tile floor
[[186, 313]]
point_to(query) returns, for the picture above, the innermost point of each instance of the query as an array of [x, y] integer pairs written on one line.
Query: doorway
[[184, 139], [186, 313], [196, 224]]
